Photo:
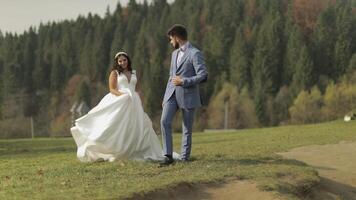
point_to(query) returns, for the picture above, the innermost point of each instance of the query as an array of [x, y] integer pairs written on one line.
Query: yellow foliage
[[307, 107], [339, 100], [241, 113]]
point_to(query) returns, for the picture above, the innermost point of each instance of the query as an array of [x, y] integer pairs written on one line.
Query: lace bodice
[[124, 83]]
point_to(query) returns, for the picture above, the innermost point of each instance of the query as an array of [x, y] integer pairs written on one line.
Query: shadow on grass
[[257, 161]]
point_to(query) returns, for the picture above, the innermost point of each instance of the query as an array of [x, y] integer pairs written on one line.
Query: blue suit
[[186, 97]]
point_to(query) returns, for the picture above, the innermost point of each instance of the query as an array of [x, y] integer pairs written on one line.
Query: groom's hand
[[177, 80]]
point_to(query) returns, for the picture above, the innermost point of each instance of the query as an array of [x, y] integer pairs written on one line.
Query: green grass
[[48, 168]]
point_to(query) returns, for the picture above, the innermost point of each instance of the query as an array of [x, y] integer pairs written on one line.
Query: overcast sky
[[18, 15]]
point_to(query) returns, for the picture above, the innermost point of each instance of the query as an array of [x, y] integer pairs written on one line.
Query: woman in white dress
[[117, 128]]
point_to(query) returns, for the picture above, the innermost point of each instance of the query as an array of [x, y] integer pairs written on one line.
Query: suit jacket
[[193, 71]]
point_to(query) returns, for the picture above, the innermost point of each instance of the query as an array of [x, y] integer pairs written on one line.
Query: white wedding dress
[[117, 128]]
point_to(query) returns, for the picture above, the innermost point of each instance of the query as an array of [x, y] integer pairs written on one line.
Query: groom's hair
[[178, 30]]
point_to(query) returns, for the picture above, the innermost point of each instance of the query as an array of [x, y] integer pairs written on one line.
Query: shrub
[[307, 107], [241, 113]]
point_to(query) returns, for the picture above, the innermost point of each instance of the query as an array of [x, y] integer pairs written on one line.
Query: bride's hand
[[120, 92], [116, 93]]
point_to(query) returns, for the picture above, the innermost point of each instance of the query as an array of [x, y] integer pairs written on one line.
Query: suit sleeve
[[200, 70]]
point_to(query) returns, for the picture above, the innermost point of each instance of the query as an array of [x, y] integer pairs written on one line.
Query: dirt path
[[336, 165], [234, 189]]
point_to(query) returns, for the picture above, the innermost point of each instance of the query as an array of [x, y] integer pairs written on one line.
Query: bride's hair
[[118, 67]]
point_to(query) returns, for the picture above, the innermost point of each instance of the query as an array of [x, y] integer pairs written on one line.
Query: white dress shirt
[[181, 51]]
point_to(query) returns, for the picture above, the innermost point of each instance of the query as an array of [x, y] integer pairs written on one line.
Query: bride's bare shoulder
[[114, 73]]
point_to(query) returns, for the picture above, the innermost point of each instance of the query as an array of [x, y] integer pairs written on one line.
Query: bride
[[117, 128]]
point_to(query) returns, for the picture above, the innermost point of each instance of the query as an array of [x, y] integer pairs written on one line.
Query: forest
[[270, 63]]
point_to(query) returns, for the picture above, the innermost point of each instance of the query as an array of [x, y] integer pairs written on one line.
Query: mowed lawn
[[48, 168]]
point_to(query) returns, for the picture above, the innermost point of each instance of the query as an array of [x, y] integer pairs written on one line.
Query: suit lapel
[[174, 61]]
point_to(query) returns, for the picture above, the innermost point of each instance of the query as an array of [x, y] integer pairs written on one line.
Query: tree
[[302, 77], [67, 52], [267, 62], [260, 102], [352, 65], [240, 71], [1, 85], [119, 30], [83, 92], [305, 13], [57, 74], [153, 102], [87, 65], [29, 59], [324, 44], [281, 103], [343, 45], [43, 59], [294, 45]]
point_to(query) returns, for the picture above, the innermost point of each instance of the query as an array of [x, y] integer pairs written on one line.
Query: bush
[[339, 100], [307, 107], [241, 113], [60, 126], [18, 127], [279, 113]]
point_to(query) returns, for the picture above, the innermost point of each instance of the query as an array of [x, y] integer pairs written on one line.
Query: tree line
[[261, 55]]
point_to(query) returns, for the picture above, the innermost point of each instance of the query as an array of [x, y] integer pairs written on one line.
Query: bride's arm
[[113, 84], [138, 87]]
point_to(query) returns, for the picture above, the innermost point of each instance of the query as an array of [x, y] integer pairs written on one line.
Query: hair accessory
[[120, 53]]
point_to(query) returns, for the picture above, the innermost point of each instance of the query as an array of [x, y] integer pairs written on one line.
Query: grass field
[[48, 168]]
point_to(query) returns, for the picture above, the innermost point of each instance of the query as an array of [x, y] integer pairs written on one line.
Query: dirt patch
[[233, 189], [336, 165]]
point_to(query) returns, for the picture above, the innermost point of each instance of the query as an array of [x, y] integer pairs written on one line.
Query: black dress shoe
[[166, 161]]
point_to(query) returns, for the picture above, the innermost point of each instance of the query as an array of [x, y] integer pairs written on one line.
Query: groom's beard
[[176, 45]]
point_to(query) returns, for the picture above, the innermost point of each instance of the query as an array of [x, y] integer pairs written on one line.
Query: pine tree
[[135, 18], [140, 58], [43, 59], [352, 65], [240, 71], [29, 56], [1, 84], [109, 30], [324, 44], [343, 45], [118, 37], [294, 45], [260, 101], [57, 74], [10, 66], [302, 77], [267, 63], [67, 52], [87, 64]]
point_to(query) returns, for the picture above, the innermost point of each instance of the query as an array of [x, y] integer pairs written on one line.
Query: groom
[[182, 92]]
